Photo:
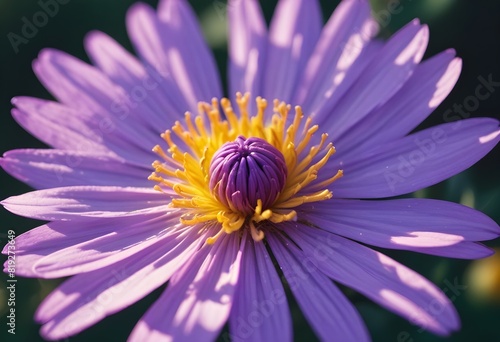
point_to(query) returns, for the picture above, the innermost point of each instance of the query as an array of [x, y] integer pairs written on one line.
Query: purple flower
[[234, 187]]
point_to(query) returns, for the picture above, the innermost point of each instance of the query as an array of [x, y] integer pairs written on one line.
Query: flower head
[[239, 181], [235, 191]]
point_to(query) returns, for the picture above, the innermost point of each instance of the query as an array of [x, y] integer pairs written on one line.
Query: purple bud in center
[[246, 170]]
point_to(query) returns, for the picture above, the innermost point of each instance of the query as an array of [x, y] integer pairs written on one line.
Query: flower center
[[239, 172], [245, 171]]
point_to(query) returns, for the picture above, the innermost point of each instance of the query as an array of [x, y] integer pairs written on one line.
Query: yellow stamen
[[188, 172], [257, 235], [211, 240]]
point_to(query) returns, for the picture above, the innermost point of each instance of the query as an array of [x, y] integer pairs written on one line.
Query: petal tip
[[14, 100], [136, 8], [46, 53], [458, 61], [488, 251], [91, 36], [451, 51], [425, 29]]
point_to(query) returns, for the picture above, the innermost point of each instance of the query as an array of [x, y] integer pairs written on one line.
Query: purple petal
[[462, 250], [198, 300], [57, 168], [340, 45], [117, 63], [379, 81], [56, 125], [54, 236], [186, 39], [247, 48], [379, 278], [145, 31], [81, 86], [79, 202], [144, 85], [69, 129], [431, 82], [323, 304], [107, 249], [101, 104], [72, 307], [420, 225], [260, 310], [171, 42], [418, 160], [294, 31]]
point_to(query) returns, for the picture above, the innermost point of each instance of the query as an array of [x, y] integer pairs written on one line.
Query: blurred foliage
[[471, 28]]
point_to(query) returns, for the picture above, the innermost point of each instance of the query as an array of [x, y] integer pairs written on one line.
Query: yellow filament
[[187, 172], [257, 235]]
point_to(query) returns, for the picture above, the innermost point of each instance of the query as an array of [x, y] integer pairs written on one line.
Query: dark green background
[[472, 28]]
